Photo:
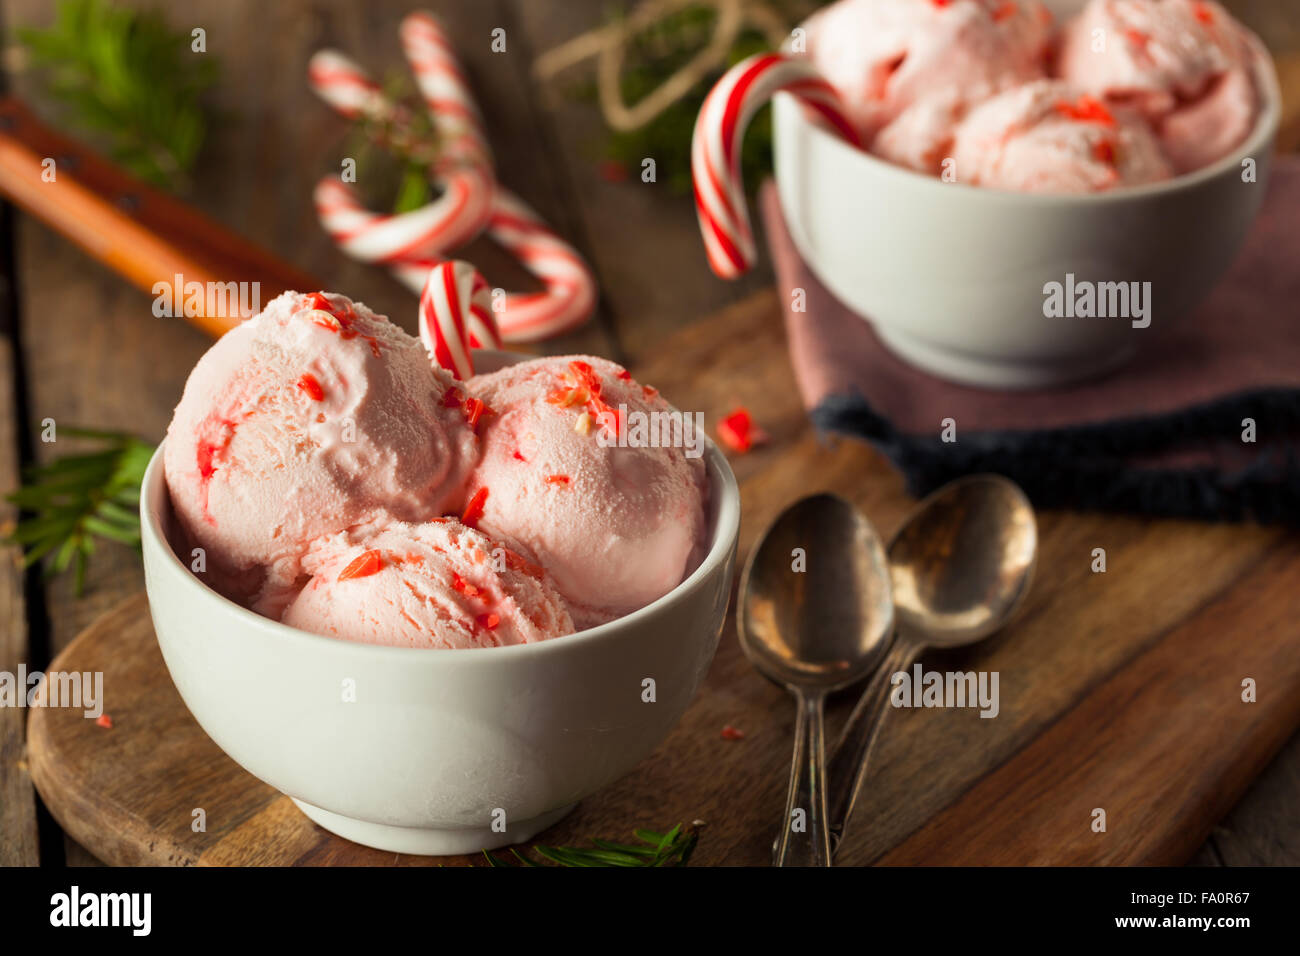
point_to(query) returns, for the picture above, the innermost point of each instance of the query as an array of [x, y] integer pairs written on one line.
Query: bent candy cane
[[570, 294], [456, 316], [716, 143], [411, 244]]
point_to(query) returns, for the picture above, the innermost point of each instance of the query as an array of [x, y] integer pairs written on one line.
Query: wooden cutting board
[[1119, 690]]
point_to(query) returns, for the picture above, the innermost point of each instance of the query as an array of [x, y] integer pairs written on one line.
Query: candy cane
[[445, 90], [715, 147], [570, 292], [411, 244], [456, 315]]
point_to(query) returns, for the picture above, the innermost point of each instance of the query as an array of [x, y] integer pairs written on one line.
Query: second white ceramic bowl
[[952, 276], [437, 751]]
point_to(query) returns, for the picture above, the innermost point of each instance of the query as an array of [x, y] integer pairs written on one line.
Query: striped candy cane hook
[[456, 316], [719, 133]]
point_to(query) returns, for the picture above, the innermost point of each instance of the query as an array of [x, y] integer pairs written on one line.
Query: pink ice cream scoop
[[597, 477], [1186, 65], [1047, 137], [435, 585], [312, 417], [908, 69]]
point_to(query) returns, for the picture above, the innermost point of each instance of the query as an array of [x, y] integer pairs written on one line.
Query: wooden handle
[[139, 232]]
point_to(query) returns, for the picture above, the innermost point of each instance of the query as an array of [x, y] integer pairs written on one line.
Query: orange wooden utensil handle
[[138, 231]]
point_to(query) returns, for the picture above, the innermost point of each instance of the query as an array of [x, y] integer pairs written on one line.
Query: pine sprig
[[394, 154], [673, 848], [76, 499], [124, 76]]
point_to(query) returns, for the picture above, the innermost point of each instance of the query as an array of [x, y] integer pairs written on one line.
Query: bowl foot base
[[429, 842], [982, 372]]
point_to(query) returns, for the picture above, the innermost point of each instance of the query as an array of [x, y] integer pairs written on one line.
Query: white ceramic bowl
[[439, 745], [952, 276]]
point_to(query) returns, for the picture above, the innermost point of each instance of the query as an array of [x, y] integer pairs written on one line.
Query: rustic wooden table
[[78, 345]]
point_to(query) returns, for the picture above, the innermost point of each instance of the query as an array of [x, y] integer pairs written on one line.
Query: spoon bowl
[[963, 564], [824, 626]]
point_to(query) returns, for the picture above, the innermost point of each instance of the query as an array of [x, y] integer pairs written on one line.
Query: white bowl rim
[[1259, 140], [724, 503]]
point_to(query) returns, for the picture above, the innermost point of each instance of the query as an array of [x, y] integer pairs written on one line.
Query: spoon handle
[[848, 762], [804, 839]]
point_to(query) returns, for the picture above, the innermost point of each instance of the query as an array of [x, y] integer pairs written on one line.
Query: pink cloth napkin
[[1162, 435]]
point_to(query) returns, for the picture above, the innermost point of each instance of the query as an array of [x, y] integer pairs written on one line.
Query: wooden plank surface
[[1118, 689], [94, 355], [18, 843]]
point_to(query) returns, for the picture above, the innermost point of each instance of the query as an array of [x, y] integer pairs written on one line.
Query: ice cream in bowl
[[1013, 193], [435, 613]]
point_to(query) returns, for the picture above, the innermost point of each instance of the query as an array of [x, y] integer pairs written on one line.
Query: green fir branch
[[673, 848], [126, 78], [72, 501]]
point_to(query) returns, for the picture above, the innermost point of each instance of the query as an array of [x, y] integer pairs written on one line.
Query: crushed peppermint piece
[[488, 621], [105, 721], [1086, 109], [557, 479], [461, 586], [364, 565], [1005, 12], [474, 510], [738, 432], [311, 385]]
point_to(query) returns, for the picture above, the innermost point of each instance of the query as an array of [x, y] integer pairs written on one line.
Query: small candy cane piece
[[715, 147], [456, 315]]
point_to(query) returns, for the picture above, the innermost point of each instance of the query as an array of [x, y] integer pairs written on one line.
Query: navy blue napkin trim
[[1110, 466]]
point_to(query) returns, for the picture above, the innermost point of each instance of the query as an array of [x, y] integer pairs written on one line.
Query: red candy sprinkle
[[474, 409], [731, 733], [1203, 12], [309, 384], [452, 398], [105, 721], [624, 374], [517, 562], [1138, 38], [489, 621], [365, 564], [557, 479], [519, 456], [738, 432], [1104, 151], [461, 586], [1005, 12], [343, 319], [474, 510], [1086, 109], [941, 3], [317, 300]]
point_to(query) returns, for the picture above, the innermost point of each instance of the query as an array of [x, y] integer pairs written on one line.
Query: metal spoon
[[814, 629], [960, 567]]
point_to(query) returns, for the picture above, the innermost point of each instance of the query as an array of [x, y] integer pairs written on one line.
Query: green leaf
[[70, 501], [126, 75], [673, 848]]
